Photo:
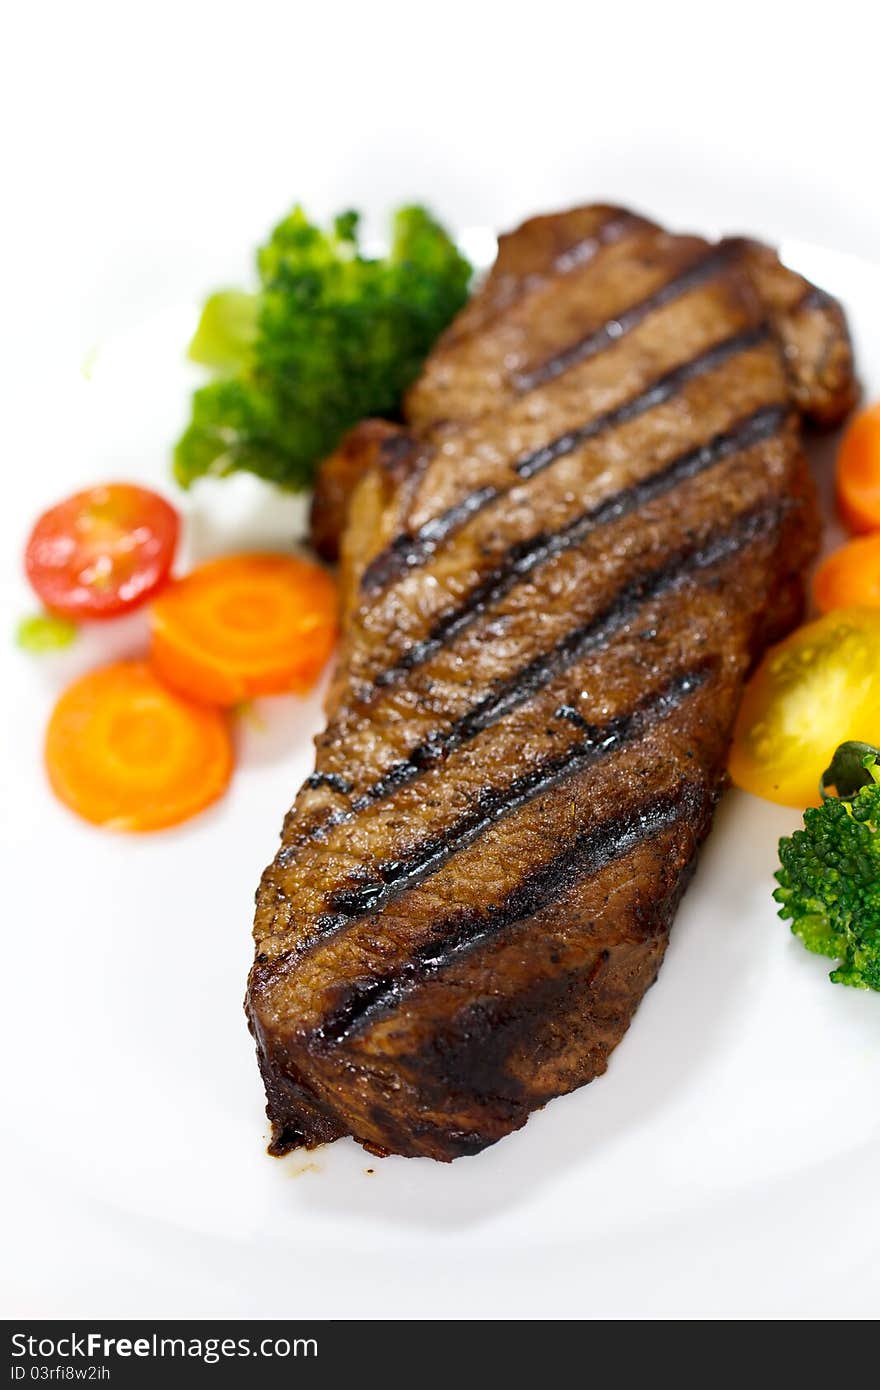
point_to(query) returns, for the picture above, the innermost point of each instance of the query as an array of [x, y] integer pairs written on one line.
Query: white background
[[146, 150], [141, 138]]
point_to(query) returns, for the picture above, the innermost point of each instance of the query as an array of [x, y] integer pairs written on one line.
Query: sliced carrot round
[[125, 752], [245, 625], [858, 472], [850, 576]]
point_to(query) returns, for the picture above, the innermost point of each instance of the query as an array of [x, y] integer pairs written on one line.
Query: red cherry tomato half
[[102, 552]]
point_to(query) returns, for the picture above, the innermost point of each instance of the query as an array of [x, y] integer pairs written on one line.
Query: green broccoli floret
[[829, 882], [330, 337], [227, 331]]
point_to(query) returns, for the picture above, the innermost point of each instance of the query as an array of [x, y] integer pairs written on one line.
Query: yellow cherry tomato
[[818, 688]]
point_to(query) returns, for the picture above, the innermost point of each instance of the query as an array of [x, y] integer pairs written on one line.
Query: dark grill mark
[[696, 274], [570, 713], [611, 231], [494, 803], [526, 556], [663, 389], [408, 551], [587, 853], [521, 686], [329, 779], [509, 694]]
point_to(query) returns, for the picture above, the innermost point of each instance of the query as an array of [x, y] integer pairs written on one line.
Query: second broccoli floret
[[829, 882]]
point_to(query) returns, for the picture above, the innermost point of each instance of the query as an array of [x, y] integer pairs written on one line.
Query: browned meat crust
[[338, 477], [603, 517], [812, 330]]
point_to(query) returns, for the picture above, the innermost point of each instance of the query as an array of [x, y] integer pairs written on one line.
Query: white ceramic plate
[[726, 1165]]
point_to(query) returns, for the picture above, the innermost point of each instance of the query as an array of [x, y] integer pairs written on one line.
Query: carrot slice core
[[125, 752], [245, 625]]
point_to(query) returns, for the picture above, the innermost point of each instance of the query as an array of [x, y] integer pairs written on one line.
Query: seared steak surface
[[554, 586]]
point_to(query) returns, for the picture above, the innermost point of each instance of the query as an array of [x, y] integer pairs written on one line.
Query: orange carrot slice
[[850, 576], [245, 625], [858, 472], [125, 752]]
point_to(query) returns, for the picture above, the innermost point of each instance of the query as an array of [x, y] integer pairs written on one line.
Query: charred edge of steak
[[410, 550], [487, 1032], [552, 995], [589, 852], [302, 1118], [299, 1119]]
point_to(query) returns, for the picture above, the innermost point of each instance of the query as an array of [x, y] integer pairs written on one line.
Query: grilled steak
[[554, 588], [338, 477]]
